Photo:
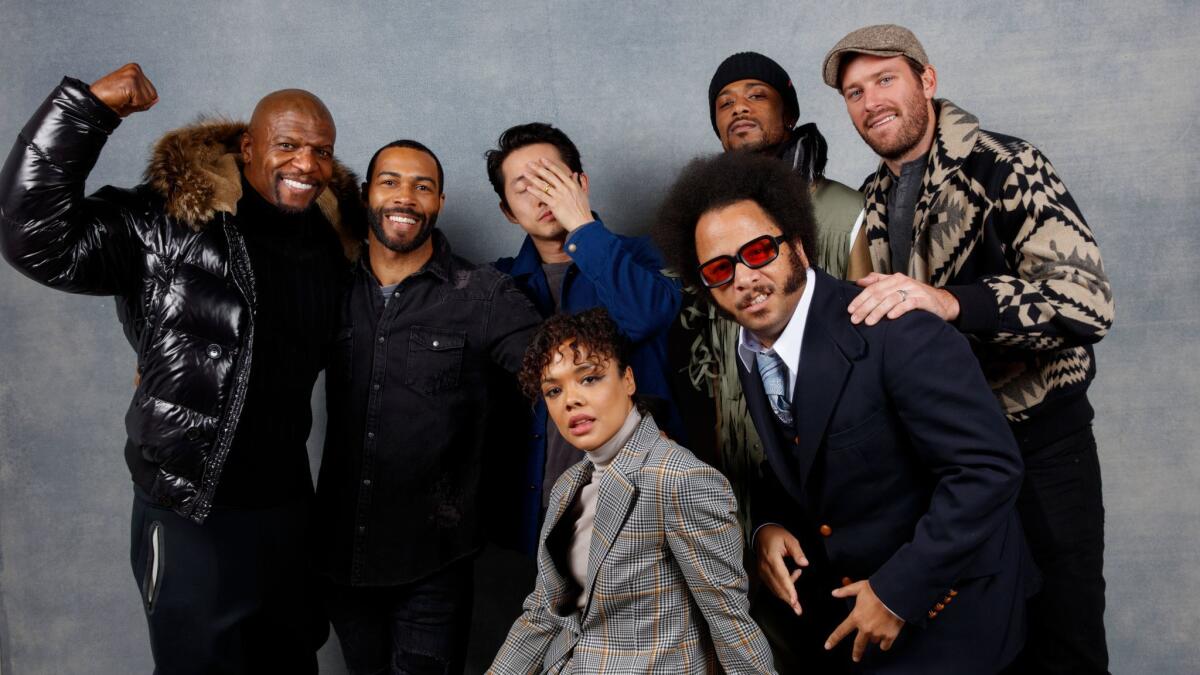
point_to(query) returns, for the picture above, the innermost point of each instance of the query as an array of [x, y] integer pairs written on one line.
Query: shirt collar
[[790, 341], [527, 261], [602, 456]]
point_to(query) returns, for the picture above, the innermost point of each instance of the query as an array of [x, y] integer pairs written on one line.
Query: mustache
[[747, 299], [743, 118]]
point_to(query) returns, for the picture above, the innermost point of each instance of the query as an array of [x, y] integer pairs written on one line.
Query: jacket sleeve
[[512, 320], [627, 275], [704, 536], [962, 438], [524, 650], [1059, 295], [48, 229]]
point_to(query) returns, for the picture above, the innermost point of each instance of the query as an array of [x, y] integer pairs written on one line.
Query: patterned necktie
[[774, 378]]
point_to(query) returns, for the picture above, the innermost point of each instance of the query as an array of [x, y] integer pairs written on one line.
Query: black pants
[[234, 595], [1062, 512], [413, 629]]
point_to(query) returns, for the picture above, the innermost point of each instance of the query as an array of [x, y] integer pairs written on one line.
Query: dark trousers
[[234, 595], [1063, 515], [411, 629], [797, 642]]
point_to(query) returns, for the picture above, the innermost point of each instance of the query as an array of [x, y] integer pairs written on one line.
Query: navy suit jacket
[[902, 465]]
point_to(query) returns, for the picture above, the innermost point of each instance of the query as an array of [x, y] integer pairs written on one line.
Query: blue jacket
[[624, 275]]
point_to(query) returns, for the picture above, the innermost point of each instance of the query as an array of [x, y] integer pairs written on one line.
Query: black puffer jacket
[[170, 251]]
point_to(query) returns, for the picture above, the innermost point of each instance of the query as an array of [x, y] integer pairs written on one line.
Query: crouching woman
[[640, 557]]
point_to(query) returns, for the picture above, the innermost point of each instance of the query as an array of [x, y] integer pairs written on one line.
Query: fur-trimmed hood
[[197, 170]]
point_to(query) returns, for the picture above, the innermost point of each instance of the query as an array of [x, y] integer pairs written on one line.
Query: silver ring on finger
[[903, 294]]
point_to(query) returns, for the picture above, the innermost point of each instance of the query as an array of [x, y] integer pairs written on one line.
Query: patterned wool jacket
[[996, 227], [667, 591]]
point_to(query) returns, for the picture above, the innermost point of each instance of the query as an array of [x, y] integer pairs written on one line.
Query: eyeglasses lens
[[718, 271], [759, 253]]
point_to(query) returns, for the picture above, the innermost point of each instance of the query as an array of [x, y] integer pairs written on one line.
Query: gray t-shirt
[[555, 272], [560, 455], [901, 207], [387, 291]]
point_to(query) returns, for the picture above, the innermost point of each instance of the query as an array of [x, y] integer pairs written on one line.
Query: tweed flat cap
[[883, 40]]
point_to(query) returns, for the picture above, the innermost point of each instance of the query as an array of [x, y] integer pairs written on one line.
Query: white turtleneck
[[583, 511]]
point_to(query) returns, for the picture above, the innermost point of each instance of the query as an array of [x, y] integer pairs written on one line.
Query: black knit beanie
[[753, 66]]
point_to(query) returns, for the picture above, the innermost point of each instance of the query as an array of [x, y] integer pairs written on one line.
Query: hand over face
[[126, 90], [893, 295], [564, 192], [870, 617]]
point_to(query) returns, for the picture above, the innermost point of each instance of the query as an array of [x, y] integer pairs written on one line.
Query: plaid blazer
[[667, 590]]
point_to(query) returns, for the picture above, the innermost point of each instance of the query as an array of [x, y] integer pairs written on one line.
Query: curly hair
[[515, 138], [714, 182], [591, 331]]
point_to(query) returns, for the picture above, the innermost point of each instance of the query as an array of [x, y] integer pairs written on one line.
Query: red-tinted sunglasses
[[756, 253]]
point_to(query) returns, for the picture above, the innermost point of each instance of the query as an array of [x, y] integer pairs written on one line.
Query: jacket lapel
[[936, 215], [830, 346], [946, 210], [563, 495], [616, 498], [875, 220]]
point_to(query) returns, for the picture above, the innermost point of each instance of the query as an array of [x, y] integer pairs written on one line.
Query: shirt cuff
[[754, 536], [889, 609], [571, 236], [977, 308]]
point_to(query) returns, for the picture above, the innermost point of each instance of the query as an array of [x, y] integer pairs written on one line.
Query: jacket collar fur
[[197, 171]]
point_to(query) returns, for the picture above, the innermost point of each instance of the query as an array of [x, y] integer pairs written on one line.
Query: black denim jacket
[[408, 397]]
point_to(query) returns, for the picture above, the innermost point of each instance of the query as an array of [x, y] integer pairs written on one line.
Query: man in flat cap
[[753, 106], [977, 228]]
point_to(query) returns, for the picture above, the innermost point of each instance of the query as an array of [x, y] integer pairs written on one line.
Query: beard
[[767, 143], [425, 228], [914, 119]]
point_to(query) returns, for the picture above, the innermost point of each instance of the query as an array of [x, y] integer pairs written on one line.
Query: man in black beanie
[[753, 107]]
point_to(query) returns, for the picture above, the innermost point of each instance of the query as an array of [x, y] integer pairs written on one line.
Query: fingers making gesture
[[872, 620], [774, 544]]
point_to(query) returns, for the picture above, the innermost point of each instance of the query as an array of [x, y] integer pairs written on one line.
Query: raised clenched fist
[[126, 90]]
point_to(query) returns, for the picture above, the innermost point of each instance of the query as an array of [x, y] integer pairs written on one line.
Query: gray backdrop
[[1106, 90]]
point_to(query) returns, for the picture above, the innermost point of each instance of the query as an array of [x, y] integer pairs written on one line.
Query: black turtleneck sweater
[[299, 277]]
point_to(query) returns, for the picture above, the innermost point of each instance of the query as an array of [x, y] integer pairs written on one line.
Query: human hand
[[772, 544], [126, 90], [893, 295], [871, 618], [564, 192]]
